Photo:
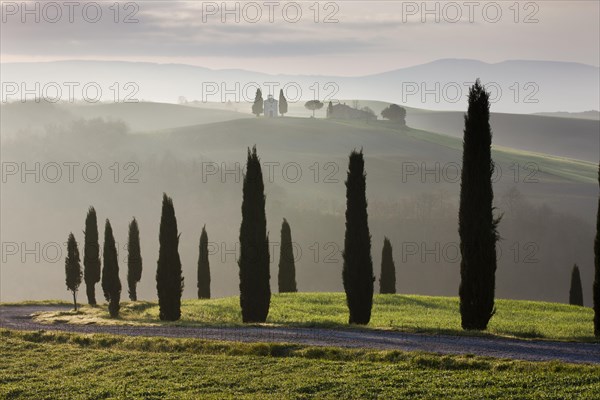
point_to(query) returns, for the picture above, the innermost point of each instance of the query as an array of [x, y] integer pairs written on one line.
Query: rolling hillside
[[412, 186], [558, 136], [139, 117]]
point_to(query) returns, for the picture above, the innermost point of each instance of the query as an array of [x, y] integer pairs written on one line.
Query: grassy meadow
[[43, 365], [409, 313]]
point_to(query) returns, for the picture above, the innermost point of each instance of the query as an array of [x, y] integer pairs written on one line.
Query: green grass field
[[411, 313], [41, 365]]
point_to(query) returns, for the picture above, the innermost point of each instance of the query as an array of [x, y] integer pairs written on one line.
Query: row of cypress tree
[[111, 283], [477, 230], [254, 273], [258, 104], [169, 275]]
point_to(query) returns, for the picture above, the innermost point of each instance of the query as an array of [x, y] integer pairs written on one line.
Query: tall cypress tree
[[91, 256], [134, 260], [283, 106], [597, 268], [357, 273], [169, 279], [477, 226], [257, 106], [73, 268], [576, 291], [330, 110], [203, 267], [387, 280], [287, 267], [255, 291], [111, 283]]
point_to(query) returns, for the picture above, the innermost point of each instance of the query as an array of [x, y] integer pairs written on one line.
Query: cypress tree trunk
[[91, 256], [111, 283], [73, 268], [90, 292], [287, 267], [203, 267], [576, 291], [134, 260], [477, 226], [169, 279], [597, 268], [357, 273], [255, 291], [387, 280]]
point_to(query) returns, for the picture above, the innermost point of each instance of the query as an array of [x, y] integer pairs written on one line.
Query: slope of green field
[[567, 168], [378, 138], [411, 313], [558, 135], [139, 117], [41, 365], [406, 208], [144, 116]]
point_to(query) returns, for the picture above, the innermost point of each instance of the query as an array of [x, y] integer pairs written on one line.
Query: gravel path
[[19, 317]]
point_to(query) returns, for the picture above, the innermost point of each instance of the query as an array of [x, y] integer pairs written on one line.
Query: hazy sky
[[368, 37]]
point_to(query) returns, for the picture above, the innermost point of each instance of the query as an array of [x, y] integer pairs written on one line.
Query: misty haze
[[431, 182]]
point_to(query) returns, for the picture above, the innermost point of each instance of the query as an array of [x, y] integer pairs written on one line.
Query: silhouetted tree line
[[258, 104], [477, 230]]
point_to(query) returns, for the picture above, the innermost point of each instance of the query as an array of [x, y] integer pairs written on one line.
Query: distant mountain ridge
[[591, 114], [518, 86]]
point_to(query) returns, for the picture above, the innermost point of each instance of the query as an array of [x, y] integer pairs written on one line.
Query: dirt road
[[19, 317]]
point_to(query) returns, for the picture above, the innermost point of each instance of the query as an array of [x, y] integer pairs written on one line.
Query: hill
[[558, 136], [592, 114], [139, 117], [412, 186]]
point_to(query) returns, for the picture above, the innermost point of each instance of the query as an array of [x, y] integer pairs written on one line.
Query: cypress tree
[[387, 280], [255, 291], [357, 273], [257, 106], [330, 110], [73, 268], [477, 226], [287, 267], [134, 259], [111, 284], [575, 292], [597, 268], [283, 106], [91, 256], [203, 267], [169, 279]]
